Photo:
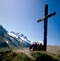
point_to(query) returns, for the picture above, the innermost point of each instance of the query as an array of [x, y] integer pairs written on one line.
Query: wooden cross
[[45, 18]]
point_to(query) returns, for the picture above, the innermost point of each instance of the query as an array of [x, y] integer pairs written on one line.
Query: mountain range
[[12, 39]]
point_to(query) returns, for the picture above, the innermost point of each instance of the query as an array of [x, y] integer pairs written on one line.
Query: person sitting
[[33, 47], [36, 47]]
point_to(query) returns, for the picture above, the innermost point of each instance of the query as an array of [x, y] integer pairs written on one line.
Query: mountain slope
[[12, 40]]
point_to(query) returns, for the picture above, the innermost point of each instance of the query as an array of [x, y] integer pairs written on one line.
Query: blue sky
[[22, 15]]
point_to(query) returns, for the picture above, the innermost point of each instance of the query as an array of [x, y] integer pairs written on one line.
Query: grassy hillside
[[12, 56], [23, 54], [36, 56], [44, 56]]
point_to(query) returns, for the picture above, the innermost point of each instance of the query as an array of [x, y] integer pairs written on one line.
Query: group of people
[[36, 46]]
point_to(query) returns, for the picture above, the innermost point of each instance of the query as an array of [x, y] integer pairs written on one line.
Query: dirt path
[[24, 50]]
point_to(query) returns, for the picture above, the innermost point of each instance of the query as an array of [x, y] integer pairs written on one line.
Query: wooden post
[[45, 28]]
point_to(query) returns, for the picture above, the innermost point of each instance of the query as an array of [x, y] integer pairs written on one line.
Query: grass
[[22, 57], [37, 56], [12, 56], [43, 56]]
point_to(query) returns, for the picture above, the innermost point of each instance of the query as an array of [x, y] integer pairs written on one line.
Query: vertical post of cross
[[45, 28]]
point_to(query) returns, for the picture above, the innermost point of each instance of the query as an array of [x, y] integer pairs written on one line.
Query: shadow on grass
[[43, 56]]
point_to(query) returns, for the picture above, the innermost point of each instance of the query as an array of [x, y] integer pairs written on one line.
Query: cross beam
[[45, 18]]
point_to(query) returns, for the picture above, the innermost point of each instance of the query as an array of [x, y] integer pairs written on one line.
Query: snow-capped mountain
[[18, 36], [12, 39]]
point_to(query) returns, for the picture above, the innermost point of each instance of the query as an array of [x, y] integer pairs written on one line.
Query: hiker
[[33, 47], [36, 46]]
